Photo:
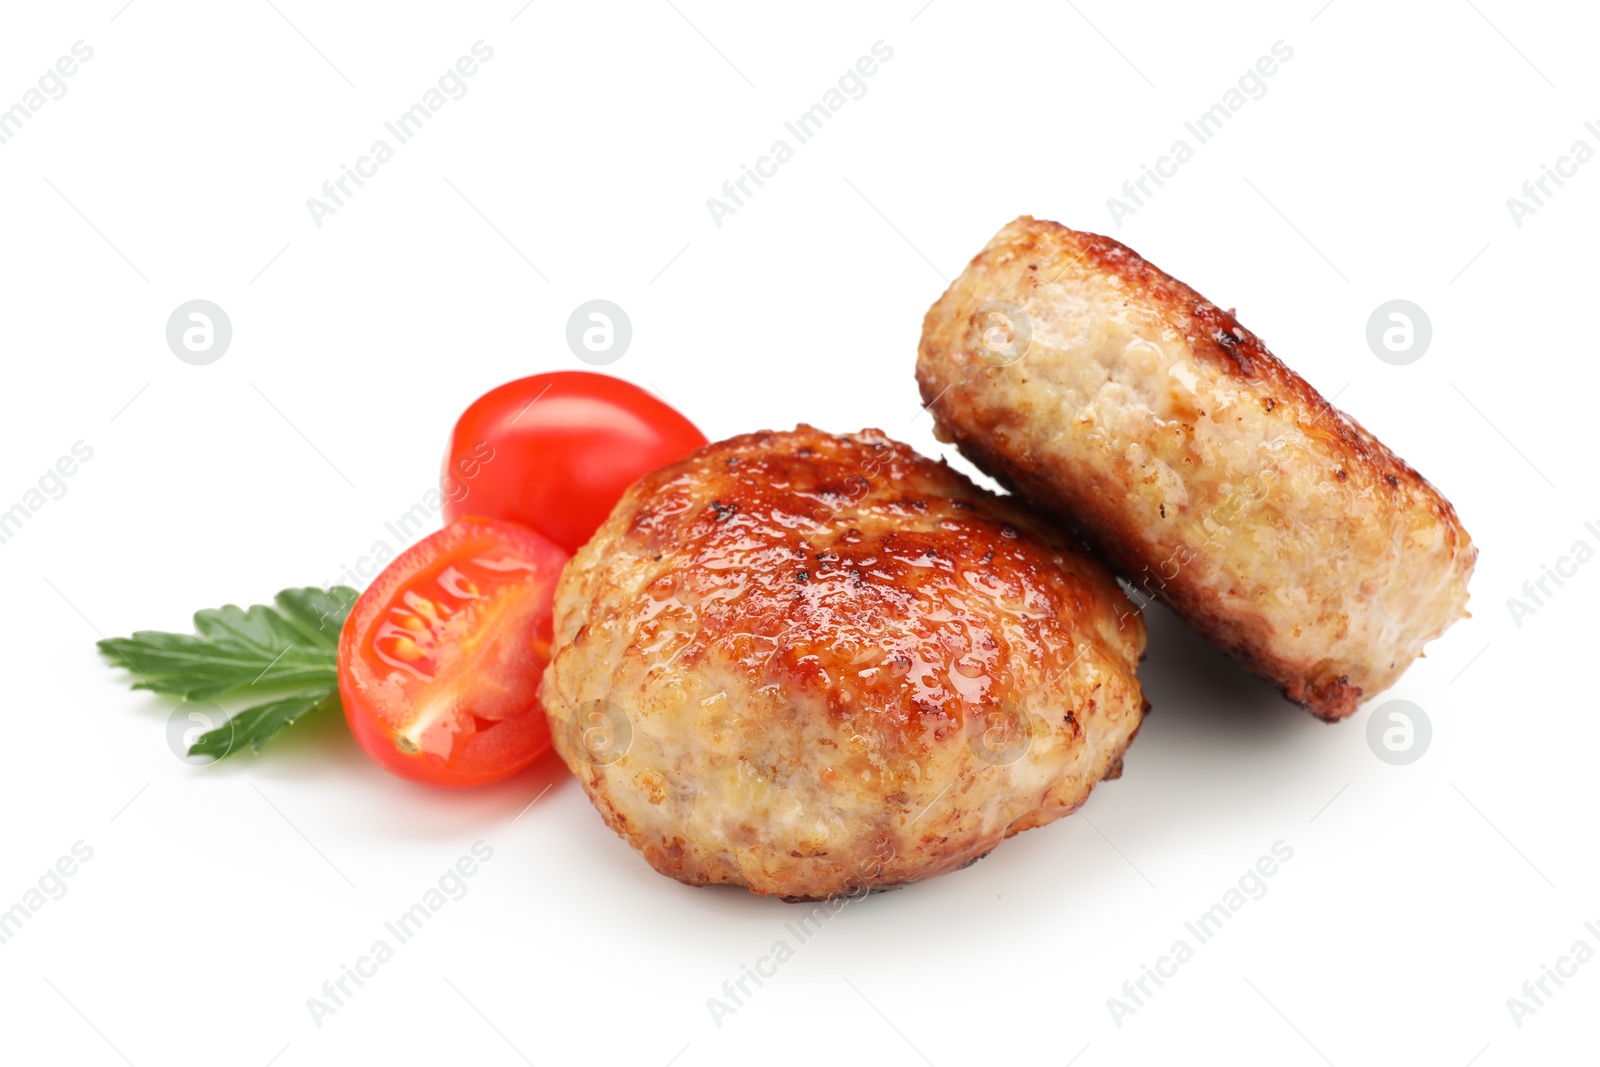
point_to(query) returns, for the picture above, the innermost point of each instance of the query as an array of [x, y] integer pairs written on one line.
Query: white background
[[177, 166]]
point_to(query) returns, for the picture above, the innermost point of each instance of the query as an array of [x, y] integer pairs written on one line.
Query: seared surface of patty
[[1205, 471], [815, 664]]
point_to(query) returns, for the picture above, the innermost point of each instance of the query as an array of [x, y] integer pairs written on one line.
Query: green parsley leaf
[[293, 642], [257, 725], [290, 647]]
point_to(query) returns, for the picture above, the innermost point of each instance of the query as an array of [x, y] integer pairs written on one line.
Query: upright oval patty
[[816, 664], [1205, 471]]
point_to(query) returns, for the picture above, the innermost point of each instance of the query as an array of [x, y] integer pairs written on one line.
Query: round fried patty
[[815, 664], [1205, 471]]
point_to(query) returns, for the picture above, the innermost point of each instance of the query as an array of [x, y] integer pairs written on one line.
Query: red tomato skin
[[556, 451], [487, 756]]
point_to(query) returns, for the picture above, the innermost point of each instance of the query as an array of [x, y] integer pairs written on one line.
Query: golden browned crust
[[1203, 469], [839, 666]]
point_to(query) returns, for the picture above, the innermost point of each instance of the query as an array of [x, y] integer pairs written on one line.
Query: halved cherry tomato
[[441, 657], [555, 451]]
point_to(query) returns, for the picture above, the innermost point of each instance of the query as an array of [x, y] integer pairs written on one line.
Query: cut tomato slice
[[440, 659]]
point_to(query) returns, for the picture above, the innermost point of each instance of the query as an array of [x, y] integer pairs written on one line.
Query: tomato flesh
[[440, 659], [556, 451]]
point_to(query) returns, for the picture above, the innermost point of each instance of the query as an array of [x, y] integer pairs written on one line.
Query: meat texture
[[1205, 471], [816, 664]]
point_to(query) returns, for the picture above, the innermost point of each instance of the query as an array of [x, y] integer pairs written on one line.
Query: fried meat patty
[[815, 664], [1205, 471]]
